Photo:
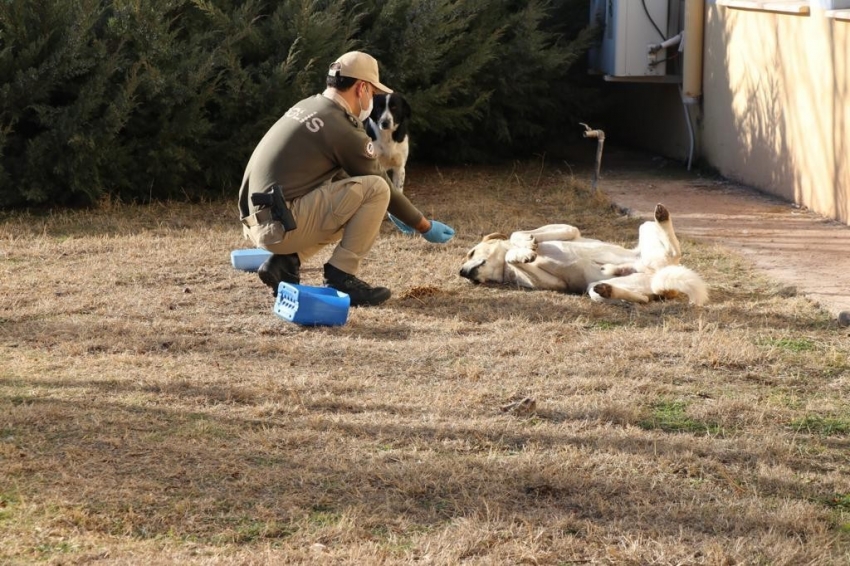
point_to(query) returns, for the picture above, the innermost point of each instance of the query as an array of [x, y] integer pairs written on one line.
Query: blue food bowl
[[311, 306], [249, 260]]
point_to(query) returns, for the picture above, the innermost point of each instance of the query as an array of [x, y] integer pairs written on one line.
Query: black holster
[[274, 202]]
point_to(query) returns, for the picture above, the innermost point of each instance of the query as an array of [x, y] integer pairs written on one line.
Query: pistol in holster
[[275, 203]]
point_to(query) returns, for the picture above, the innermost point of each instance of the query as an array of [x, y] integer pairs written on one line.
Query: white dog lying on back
[[555, 257]]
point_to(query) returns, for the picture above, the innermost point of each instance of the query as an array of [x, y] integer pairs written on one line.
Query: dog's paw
[[524, 240], [604, 290], [608, 270], [669, 295], [520, 255], [611, 270]]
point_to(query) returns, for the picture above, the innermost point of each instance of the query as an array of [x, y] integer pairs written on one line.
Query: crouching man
[[320, 160]]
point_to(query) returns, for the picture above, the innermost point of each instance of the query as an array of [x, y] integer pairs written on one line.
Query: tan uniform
[[326, 166]]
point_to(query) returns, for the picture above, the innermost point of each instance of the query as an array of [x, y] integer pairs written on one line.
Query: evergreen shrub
[[158, 99]]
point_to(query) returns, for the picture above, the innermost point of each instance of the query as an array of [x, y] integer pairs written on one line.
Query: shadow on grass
[[136, 471], [484, 307]]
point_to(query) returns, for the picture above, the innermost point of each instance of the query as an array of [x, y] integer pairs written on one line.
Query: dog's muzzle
[[470, 270], [385, 124]]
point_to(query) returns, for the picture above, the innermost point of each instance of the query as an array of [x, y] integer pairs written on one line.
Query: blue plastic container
[[311, 306], [249, 260]]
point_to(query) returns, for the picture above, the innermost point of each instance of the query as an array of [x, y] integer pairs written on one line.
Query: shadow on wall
[[775, 110], [774, 105], [650, 117]]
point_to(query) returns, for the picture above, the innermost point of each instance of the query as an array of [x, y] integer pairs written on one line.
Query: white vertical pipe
[[692, 72]]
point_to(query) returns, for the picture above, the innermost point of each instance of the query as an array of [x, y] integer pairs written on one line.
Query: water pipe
[[693, 40], [654, 48], [600, 141], [691, 136], [692, 48]]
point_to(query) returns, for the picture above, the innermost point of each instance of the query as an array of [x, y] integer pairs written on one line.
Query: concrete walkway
[[794, 246]]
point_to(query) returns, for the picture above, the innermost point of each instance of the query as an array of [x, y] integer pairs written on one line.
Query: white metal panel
[[628, 33]]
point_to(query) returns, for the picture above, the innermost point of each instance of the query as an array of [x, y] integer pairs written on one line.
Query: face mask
[[364, 112]]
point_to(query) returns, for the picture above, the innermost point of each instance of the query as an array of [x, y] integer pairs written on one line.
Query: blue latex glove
[[439, 233], [403, 228]]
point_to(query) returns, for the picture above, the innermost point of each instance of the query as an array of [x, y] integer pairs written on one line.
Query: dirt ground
[[792, 245]]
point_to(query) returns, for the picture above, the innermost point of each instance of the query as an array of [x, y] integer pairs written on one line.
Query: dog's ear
[[406, 110], [494, 236], [400, 132]]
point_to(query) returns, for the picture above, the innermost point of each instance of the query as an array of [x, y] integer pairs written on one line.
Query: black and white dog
[[387, 126]]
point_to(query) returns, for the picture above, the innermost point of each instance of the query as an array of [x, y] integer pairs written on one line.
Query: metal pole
[[600, 141]]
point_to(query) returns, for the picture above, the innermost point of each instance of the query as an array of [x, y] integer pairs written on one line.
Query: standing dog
[[387, 126], [555, 257]]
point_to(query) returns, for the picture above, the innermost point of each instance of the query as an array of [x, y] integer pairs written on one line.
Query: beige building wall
[[776, 104], [775, 110]]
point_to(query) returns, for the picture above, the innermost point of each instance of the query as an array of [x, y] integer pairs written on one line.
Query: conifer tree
[[161, 99], [486, 80]]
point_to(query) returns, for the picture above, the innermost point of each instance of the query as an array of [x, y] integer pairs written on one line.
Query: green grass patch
[[253, 530], [839, 501], [824, 426], [49, 549], [671, 416], [324, 517], [7, 504], [789, 344], [248, 530]]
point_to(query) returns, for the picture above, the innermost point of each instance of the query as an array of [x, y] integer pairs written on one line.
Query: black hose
[[646, 11]]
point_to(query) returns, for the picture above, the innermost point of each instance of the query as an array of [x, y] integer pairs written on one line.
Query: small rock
[[844, 318]]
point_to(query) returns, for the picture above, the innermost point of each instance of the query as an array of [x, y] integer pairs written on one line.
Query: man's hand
[[439, 233]]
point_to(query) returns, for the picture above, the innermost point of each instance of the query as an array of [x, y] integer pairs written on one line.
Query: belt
[[262, 216]]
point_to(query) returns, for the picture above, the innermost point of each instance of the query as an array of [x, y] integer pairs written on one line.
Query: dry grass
[[154, 410]]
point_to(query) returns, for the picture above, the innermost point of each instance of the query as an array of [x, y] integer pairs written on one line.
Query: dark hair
[[337, 81]]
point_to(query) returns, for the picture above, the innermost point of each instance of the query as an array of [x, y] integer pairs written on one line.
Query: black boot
[[280, 268], [361, 293]]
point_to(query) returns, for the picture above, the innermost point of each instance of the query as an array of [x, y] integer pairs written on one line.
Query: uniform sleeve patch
[[370, 149]]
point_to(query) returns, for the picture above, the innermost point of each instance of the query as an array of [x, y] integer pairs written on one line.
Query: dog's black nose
[[469, 273], [385, 125], [470, 269]]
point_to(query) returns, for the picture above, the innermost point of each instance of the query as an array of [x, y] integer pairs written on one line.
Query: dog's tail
[[674, 279]]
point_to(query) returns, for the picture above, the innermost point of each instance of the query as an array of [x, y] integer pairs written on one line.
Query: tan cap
[[359, 65]]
